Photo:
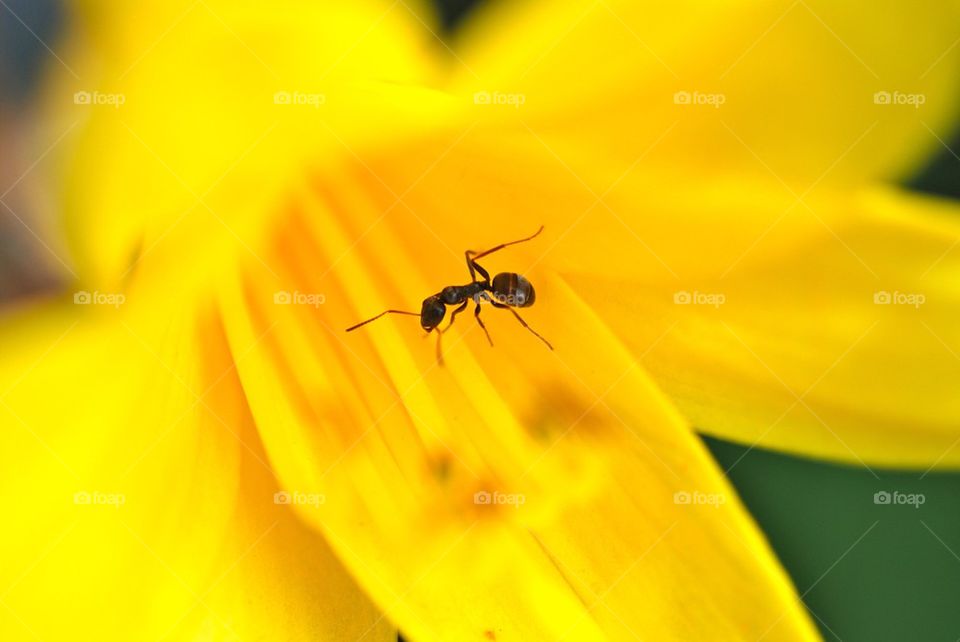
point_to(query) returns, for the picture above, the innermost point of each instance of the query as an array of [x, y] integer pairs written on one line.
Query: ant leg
[[472, 265], [522, 322], [476, 314], [461, 308], [439, 349], [354, 327], [473, 256]]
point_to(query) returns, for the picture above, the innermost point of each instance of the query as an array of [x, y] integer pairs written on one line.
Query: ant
[[507, 290]]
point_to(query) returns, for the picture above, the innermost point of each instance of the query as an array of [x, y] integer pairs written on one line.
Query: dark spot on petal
[[564, 408], [440, 466]]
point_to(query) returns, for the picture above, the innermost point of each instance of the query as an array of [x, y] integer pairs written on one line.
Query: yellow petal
[[514, 493], [797, 270], [718, 85], [843, 346], [189, 118], [136, 492]]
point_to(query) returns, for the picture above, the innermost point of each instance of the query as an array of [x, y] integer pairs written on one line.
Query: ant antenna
[[480, 255], [354, 327]]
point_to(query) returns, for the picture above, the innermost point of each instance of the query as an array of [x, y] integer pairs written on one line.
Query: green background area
[[868, 572]]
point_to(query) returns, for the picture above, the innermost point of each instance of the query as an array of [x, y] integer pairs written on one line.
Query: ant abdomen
[[510, 288]]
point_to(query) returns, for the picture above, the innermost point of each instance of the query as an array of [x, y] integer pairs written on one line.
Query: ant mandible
[[507, 290]]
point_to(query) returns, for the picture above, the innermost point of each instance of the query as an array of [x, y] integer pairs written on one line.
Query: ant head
[[513, 289], [432, 312]]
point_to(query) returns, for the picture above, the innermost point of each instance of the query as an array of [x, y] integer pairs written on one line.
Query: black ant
[[507, 290]]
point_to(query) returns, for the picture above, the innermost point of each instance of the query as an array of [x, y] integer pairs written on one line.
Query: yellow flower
[[199, 450]]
